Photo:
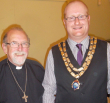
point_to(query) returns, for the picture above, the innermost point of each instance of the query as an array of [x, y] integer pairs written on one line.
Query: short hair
[[14, 28], [75, 1]]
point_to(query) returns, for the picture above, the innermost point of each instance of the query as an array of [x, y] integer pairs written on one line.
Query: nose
[[20, 47], [76, 21]]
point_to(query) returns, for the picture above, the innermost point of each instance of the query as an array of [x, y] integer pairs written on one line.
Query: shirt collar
[[13, 66], [85, 42], [18, 68]]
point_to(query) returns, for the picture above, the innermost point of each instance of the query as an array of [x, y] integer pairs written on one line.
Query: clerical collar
[[18, 68], [15, 67]]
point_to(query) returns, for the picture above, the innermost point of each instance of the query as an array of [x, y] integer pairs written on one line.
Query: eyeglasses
[[73, 18], [15, 44]]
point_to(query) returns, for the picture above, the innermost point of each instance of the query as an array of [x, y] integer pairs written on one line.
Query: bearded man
[[20, 78]]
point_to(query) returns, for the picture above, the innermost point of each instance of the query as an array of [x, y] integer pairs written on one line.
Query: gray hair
[[14, 28]]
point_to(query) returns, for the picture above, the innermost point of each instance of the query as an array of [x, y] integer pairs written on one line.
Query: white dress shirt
[[49, 82]]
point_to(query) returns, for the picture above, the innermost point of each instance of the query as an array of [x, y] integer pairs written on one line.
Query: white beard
[[19, 60]]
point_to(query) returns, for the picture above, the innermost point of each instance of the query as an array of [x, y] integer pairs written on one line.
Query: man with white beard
[[20, 78]]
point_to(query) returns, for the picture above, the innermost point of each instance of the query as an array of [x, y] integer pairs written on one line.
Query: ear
[[4, 46], [64, 21], [89, 19]]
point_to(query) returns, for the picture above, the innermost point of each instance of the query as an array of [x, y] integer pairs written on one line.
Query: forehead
[[75, 8], [16, 35]]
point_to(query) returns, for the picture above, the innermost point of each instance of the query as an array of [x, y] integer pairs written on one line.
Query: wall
[[42, 20]]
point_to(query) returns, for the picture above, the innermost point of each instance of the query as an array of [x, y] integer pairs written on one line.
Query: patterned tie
[[79, 54]]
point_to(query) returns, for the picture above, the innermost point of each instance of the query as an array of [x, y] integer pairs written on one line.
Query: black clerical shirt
[[10, 91]]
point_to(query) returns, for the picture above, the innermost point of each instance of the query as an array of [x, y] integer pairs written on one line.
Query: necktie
[[79, 54]]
